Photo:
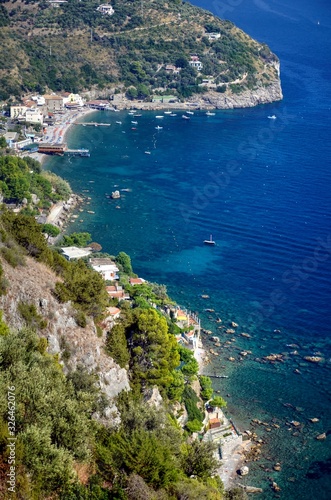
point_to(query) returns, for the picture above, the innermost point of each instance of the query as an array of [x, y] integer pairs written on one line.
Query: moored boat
[[210, 241]]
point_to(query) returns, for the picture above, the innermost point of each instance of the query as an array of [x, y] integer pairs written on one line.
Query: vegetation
[[75, 47], [147, 455]]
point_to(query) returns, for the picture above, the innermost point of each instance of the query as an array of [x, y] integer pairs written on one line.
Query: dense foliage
[[75, 47], [59, 442], [22, 177]]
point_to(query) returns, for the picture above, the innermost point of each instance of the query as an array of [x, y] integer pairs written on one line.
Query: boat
[[272, 117], [210, 241], [159, 116], [138, 114], [131, 112], [189, 112], [134, 123], [209, 113], [147, 152], [115, 194], [173, 114], [167, 112], [186, 117], [120, 123], [159, 128]]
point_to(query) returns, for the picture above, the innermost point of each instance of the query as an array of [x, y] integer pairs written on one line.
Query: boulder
[[244, 470]]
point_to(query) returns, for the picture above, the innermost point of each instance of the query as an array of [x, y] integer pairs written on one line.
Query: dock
[[93, 124], [77, 152]]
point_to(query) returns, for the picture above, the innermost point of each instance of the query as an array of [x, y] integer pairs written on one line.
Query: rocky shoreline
[[212, 100]]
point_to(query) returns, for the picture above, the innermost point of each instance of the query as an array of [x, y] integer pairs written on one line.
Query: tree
[[198, 459], [194, 425], [116, 345], [218, 401], [124, 261], [3, 143], [50, 230], [76, 239], [154, 353]]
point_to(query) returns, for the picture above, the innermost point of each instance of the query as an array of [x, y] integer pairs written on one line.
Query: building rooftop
[[103, 261], [75, 252]]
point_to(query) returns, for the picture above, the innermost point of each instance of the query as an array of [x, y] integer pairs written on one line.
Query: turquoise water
[[261, 188]]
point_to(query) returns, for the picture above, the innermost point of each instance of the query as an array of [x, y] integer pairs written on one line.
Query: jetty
[[61, 150], [77, 152], [93, 124]]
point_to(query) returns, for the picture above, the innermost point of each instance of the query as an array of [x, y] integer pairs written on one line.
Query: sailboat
[[210, 241]]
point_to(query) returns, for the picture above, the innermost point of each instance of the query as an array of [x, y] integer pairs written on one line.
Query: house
[[34, 116], [18, 110], [106, 9], [99, 104], [172, 68], [214, 423], [39, 100], [54, 103], [213, 36], [11, 138], [71, 253], [106, 267], [113, 312], [117, 292], [71, 100], [195, 63], [137, 281], [56, 3]]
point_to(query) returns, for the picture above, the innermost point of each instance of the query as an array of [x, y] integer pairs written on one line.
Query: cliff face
[[247, 99], [33, 284]]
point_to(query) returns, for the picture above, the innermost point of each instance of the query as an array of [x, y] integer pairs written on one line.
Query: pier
[[93, 124], [77, 152]]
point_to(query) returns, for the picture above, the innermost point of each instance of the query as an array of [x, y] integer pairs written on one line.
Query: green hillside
[[74, 47]]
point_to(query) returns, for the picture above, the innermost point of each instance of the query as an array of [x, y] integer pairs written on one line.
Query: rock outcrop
[[246, 99], [33, 284]]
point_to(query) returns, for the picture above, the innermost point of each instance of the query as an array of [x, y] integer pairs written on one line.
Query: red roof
[[136, 281]]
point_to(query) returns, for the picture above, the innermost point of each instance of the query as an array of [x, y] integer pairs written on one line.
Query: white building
[[39, 100], [71, 253], [16, 111], [106, 267], [73, 99], [213, 36], [34, 116], [196, 64], [106, 9]]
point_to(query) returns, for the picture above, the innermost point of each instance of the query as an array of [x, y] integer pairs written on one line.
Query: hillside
[[99, 409], [74, 47]]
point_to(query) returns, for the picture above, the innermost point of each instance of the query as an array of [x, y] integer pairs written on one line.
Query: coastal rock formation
[[76, 346], [246, 99]]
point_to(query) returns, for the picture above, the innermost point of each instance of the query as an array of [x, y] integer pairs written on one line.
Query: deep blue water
[[261, 187]]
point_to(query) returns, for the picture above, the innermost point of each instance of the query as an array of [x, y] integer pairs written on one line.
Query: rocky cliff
[[33, 284]]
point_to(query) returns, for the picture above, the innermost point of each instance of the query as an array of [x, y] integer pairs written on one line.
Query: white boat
[[147, 152], [210, 241], [159, 128], [173, 114], [138, 114], [186, 117], [272, 117], [120, 123], [209, 113], [167, 112], [134, 123], [159, 116], [131, 112], [189, 112]]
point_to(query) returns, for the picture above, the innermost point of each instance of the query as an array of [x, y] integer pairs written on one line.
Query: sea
[[259, 181]]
